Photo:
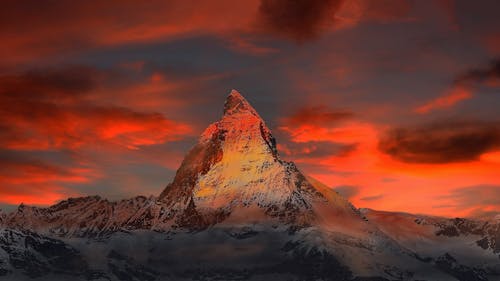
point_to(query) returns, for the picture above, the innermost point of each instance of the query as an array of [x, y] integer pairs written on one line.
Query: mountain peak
[[236, 103], [235, 170]]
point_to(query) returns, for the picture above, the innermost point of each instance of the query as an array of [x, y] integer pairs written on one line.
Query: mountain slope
[[88, 216], [235, 171]]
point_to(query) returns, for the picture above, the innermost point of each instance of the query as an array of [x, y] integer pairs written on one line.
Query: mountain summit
[[235, 172], [236, 103]]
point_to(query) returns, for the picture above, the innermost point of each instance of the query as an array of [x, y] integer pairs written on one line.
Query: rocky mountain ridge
[[233, 174]]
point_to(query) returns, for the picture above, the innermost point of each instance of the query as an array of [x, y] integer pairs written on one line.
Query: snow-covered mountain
[[461, 246], [235, 174], [87, 216], [234, 211]]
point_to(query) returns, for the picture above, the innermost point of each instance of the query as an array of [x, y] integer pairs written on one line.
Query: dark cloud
[[488, 73], [441, 142], [53, 109], [318, 115], [14, 165], [384, 10], [53, 123], [348, 191], [303, 20], [372, 198], [53, 84], [299, 20], [33, 30]]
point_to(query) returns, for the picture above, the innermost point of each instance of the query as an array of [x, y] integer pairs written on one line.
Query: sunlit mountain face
[[250, 140]]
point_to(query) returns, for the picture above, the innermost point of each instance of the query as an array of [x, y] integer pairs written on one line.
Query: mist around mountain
[[236, 211]]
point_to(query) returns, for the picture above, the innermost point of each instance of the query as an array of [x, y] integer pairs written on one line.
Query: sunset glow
[[394, 104]]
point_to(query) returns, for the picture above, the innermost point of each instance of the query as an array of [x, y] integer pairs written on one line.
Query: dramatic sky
[[393, 103]]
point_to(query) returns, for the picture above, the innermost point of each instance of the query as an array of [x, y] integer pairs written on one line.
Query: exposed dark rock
[[197, 162], [450, 265], [483, 243], [126, 269], [314, 264], [243, 233], [37, 255]]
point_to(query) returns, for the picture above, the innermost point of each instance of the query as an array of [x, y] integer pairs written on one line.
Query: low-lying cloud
[[489, 73]]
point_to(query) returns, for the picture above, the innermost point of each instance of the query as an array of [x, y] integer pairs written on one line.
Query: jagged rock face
[[90, 216], [235, 168]]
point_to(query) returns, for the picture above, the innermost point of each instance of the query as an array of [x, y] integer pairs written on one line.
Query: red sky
[[393, 103]]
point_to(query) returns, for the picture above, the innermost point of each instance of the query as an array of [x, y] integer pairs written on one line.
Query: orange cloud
[[52, 127], [155, 93], [73, 27], [78, 26], [387, 183], [39, 195], [53, 109], [83, 117], [463, 86], [299, 20], [454, 96], [35, 182]]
